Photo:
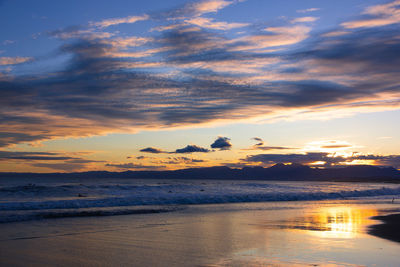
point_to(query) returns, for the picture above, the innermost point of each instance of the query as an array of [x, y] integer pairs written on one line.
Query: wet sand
[[315, 233]]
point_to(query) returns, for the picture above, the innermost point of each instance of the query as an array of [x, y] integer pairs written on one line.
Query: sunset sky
[[154, 85]]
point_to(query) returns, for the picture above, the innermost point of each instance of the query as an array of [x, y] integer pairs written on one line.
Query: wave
[[193, 198], [107, 198], [53, 214]]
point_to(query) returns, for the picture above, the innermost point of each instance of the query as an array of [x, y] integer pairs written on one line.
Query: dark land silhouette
[[291, 172]]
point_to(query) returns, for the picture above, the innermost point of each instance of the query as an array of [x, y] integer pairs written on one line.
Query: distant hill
[[292, 172]]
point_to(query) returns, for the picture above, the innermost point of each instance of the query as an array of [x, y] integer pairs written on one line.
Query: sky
[[162, 85]]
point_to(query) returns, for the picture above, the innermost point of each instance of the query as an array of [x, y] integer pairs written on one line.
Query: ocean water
[[27, 199]]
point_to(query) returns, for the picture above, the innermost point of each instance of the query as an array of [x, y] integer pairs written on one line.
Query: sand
[[315, 233]]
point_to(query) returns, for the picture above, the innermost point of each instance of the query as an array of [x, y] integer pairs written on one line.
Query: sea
[[25, 199]]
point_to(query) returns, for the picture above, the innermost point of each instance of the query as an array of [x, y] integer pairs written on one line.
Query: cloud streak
[[116, 21]]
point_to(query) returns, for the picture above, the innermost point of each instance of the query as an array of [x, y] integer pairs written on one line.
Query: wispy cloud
[[216, 25], [313, 9], [274, 37], [48, 160], [206, 6], [261, 146], [14, 60], [116, 21], [377, 16], [8, 42], [304, 19]]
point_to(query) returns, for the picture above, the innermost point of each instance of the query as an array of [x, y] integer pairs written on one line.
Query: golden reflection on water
[[337, 222]]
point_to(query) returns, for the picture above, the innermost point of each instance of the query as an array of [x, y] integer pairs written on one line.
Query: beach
[[297, 233]]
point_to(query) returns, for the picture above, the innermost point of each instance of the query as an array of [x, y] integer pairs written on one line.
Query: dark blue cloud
[[192, 149], [152, 150], [222, 143]]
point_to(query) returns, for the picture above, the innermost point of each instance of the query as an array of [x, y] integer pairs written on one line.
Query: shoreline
[[237, 234], [388, 229]]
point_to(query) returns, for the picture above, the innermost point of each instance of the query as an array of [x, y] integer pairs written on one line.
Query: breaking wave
[[27, 202]]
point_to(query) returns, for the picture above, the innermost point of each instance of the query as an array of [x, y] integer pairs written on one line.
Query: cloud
[[191, 149], [377, 16], [78, 32], [182, 160], [192, 76], [46, 156], [304, 19], [211, 24], [389, 160], [324, 159], [260, 146], [49, 160], [336, 146], [258, 139], [152, 150], [7, 42], [313, 9], [14, 60], [329, 145], [203, 7], [275, 36], [307, 158], [135, 166], [116, 21], [68, 167], [222, 143]]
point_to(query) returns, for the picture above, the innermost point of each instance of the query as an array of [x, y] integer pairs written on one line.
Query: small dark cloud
[[152, 150], [191, 149], [261, 142], [222, 143]]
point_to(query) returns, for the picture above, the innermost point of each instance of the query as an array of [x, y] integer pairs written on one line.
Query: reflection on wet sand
[[319, 236], [337, 222]]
